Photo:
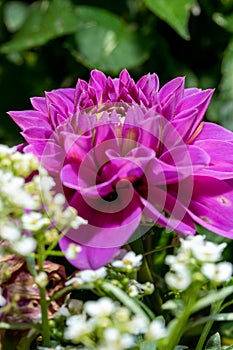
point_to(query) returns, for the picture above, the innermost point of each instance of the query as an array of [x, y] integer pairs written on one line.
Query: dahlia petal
[[221, 155], [148, 84], [87, 184], [36, 134], [199, 101], [89, 257], [191, 91], [212, 204], [108, 225], [185, 123], [211, 131], [98, 81], [28, 119], [39, 104], [173, 89]]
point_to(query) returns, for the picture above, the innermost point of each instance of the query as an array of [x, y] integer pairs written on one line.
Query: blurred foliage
[[49, 44]]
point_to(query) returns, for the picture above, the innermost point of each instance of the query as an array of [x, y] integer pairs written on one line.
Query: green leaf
[[147, 345], [104, 41], [212, 297], [14, 15], [214, 343], [224, 317], [225, 22], [45, 21], [124, 299], [175, 13]]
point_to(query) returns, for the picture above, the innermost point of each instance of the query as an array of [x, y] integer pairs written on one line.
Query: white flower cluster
[[87, 276], [105, 324], [197, 258], [129, 262], [28, 207]]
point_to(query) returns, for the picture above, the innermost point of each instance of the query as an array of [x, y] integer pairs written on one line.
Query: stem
[[214, 309], [43, 301], [178, 325]]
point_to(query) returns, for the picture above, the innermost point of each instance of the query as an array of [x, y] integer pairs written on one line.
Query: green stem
[[214, 309], [43, 301], [124, 299], [178, 325]]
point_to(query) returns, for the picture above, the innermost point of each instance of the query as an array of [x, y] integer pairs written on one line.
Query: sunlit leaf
[[14, 15], [214, 343], [175, 13], [212, 297], [45, 21], [225, 22], [106, 42]]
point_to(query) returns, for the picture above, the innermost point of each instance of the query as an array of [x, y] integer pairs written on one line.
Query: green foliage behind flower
[[49, 43]]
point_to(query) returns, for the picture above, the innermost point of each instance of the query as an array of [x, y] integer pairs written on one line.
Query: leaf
[[175, 13], [125, 299], [104, 41], [214, 343], [14, 15], [224, 317], [147, 345], [212, 297], [225, 22], [45, 21]]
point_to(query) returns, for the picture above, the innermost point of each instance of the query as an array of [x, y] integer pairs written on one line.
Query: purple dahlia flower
[[128, 155]]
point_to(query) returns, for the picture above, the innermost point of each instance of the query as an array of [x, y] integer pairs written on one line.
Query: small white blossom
[[208, 252], [157, 330], [72, 251], [100, 308], [42, 279], [219, 273], [133, 291], [26, 245], [62, 311], [34, 221], [117, 341], [88, 276], [10, 232], [138, 325], [77, 328], [2, 299], [180, 279], [129, 261]]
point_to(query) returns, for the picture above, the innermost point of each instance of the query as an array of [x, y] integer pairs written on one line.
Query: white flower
[[138, 325], [129, 261], [62, 311], [92, 275], [26, 245], [72, 251], [78, 221], [117, 341], [100, 308], [46, 182], [34, 221], [180, 279], [2, 299], [219, 273], [10, 232], [41, 279], [88, 276], [133, 291], [208, 252], [157, 330], [77, 327]]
